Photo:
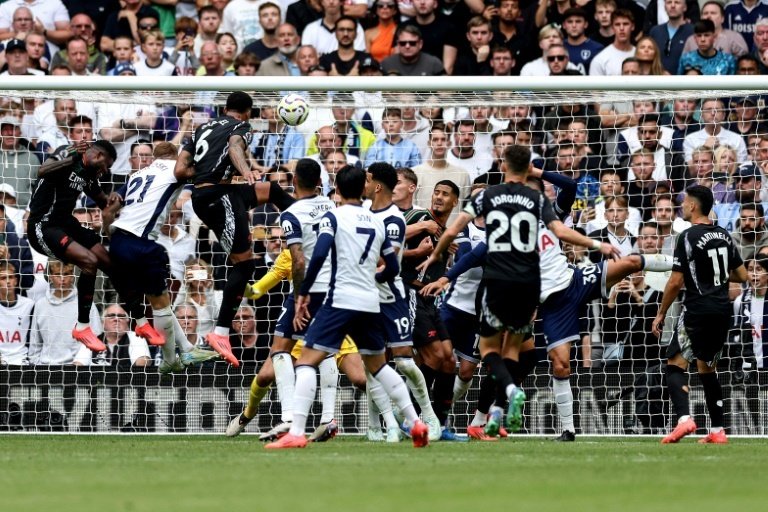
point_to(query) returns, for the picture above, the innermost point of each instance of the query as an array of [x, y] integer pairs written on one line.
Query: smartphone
[[2, 238], [199, 275], [190, 32]]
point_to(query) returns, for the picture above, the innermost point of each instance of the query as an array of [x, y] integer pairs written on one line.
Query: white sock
[[381, 402], [80, 326], [416, 383], [715, 430], [460, 388], [683, 418], [397, 391], [329, 378], [510, 389], [306, 387], [373, 410], [284, 379], [479, 420], [657, 262], [181, 339], [143, 320], [564, 401], [221, 331], [164, 322]]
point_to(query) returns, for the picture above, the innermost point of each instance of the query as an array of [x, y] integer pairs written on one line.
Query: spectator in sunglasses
[[410, 60]]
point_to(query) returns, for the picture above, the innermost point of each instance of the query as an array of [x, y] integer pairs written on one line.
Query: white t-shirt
[[475, 165], [164, 69], [756, 320], [609, 61], [324, 40], [110, 113], [15, 322], [733, 139]]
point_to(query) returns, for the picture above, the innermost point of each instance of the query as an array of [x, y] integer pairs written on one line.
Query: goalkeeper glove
[[253, 292]]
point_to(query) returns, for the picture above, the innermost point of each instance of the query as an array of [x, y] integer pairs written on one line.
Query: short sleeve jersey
[[706, 255], [147, 199], [301, 225], [408, 271], [210, 148], [512, 213], [55, 195], [394, 226], [358, 242]]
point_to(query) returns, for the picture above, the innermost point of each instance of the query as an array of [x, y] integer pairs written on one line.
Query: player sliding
[[219, 151], [355, 239], [54, 231], [706, 260], [140, 263], [513, 213]]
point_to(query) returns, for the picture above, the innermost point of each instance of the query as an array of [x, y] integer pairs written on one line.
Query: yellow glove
[[253, 292]]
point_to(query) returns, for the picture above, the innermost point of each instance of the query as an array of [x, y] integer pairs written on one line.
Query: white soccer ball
[[293, 109]]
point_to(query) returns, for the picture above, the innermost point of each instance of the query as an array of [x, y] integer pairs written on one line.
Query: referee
[[706, 260]]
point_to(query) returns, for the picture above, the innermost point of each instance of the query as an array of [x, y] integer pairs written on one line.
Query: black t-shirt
[[56, 194], [120, 27], [342, 66], [408, 271], [512, 213], [210, 148], [437, 34], [706, 255]]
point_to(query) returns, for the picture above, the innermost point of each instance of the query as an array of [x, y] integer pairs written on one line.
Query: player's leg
[[285, 376], [709, 334], [329, 380], [304, 395], [259, 388], [88, 263], [224, 210], [616, 270], [560, 355], [679, 355]]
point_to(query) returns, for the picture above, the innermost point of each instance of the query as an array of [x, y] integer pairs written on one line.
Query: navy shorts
[[138, 264], [562, 311], [284, 326], [53, 239], [396, 322], [331, 325], [463, 328], [224, 209]]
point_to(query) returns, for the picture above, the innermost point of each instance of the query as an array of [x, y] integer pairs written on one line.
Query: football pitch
[[207, 473]]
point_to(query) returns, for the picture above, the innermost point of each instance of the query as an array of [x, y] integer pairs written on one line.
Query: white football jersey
[[357, 245], [394, 225], [148, 198], [463, 292], [556, 273], [14, 331], [301, 224]]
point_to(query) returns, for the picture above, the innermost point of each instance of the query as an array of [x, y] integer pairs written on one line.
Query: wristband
[[596, 245]]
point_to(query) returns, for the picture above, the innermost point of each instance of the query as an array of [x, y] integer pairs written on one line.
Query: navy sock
[[233, 291], [86, 284], [500, 374], [713, 395]]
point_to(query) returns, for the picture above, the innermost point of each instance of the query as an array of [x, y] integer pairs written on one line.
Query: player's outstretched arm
[[566, 234], [279, 271], [109, 212], [449, 235], [671, 291]]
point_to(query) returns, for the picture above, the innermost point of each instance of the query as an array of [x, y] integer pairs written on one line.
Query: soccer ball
[[293, 109]]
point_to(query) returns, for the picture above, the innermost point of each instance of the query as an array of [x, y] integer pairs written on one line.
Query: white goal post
[[616, 379]]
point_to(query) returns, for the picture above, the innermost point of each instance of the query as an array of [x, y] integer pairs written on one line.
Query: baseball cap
[[370, 63], [575, 11], [123, 67], [7, 189], [16, 44], [13, 121], [748, 170]]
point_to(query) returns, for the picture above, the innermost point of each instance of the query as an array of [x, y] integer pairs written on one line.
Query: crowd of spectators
[[631, 159]]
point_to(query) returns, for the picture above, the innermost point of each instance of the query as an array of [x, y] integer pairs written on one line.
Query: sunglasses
[[407, 43], [147, 27], [553, 58]]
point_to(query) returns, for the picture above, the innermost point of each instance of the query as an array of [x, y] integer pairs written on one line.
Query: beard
[[288, 50]]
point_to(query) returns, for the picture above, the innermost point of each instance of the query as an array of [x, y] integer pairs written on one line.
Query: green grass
[[212, 474]]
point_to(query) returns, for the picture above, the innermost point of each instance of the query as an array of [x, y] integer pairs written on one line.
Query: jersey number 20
[[511, 225]]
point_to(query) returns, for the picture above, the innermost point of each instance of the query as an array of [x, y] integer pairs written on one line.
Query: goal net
[[631, 146]]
